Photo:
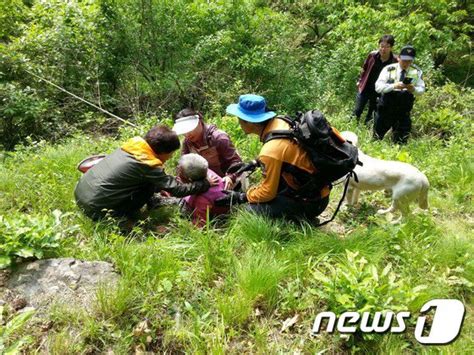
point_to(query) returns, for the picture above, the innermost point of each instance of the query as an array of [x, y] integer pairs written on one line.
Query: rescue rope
[[80, 98]]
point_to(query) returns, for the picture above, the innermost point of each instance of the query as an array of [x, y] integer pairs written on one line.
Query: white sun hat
[[186, 124]]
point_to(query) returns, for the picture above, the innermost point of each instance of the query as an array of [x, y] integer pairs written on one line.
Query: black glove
[[231, 198], [240, 168]]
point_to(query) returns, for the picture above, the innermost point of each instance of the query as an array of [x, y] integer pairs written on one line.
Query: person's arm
[[382, 86], [228, 157], [268, 188], [365, 66], [227, 153], [169, 183]]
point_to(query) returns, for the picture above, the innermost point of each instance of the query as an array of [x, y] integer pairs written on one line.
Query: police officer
[[398, 84]]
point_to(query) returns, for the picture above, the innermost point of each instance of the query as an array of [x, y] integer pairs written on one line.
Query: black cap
[[407, 53]]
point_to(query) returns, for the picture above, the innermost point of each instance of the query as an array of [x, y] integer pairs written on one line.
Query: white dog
[[406, 182]]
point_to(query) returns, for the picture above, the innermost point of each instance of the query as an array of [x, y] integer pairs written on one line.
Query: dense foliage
[[251, 285], [29, 237], [151, 57]]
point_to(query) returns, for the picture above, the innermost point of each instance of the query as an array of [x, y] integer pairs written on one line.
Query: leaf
[[188, 306], [388, 301], [17, 322], [57, 215], [391, 279], [26, 252], [351, 256], [5, 261], [14, 348], [289, 322], [419, 288], [344, 299], [387, 269], [142, 328], [321, 277], [373, 270], [167, 285]]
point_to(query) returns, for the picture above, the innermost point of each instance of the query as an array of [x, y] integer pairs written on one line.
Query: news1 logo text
[[444, 327]]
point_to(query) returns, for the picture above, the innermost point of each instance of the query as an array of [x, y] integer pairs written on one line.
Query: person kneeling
[[125, 180], [286, 168], [193, 167]]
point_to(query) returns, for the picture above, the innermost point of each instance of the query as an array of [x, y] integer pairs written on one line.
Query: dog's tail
[[351, 137], [423, 197]]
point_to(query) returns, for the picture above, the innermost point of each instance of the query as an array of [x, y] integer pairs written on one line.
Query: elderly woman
[[209, 142], [193, 167]]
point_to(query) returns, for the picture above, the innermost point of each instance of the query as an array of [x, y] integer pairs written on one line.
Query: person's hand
[[228, 183], [165, 193], [399, 86], [213, 180], [231, 198], [410, 87]]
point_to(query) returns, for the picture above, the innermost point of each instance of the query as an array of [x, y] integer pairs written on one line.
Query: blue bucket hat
[[251, 108]]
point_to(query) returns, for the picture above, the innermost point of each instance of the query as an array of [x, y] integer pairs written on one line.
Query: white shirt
[[387, 79]]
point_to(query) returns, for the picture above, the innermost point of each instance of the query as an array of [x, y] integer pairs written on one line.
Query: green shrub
[[27, 236], [25, 114], [443, 111], [354, 284]]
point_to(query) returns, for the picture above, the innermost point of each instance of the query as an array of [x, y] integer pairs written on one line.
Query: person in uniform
[[212, 144], [398, 85], [371, 69], [285, 166]]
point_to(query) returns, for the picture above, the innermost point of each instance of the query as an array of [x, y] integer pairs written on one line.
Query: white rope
[[81, 99]]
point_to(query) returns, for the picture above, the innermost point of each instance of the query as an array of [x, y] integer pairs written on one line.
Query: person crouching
[[193, 167], [125, 180]]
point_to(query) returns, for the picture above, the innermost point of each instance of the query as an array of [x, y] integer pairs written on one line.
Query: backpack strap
[[281, 133], [278, 134], [346, 185], [287, 119]]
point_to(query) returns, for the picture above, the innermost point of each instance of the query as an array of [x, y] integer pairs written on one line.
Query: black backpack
[[332, 156]]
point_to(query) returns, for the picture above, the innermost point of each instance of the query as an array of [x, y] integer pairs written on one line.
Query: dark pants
[[127, 208], [291, 208], [361, 100], [393, 112]]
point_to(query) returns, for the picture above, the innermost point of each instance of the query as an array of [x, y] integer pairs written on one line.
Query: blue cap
[[251, 108]]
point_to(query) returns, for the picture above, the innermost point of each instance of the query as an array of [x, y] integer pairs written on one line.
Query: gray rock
[[65, 281], [332, 227]]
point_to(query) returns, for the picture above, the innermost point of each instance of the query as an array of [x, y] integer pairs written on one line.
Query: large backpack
[[332, 156]]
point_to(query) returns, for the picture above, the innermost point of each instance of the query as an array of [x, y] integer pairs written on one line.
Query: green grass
[[229, 288]]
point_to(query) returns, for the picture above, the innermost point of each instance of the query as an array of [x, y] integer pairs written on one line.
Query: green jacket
[[118, 178]]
